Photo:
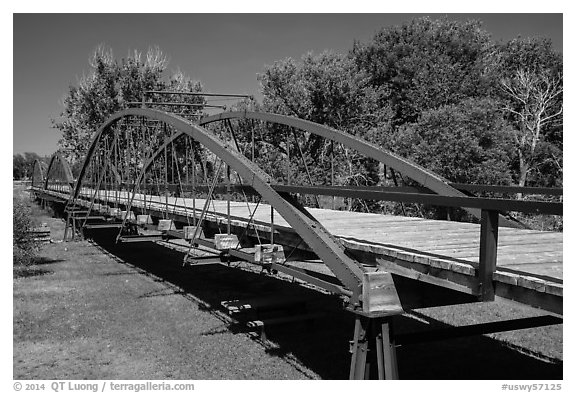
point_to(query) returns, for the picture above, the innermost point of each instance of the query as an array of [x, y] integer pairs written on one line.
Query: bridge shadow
[[323, 346], [35, 268]]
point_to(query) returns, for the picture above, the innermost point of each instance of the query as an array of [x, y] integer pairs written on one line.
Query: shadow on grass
[[323, 346], [32, 270], [46, 261], [28, 271]]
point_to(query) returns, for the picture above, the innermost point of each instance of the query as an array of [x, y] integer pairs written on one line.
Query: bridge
[[229, 191]]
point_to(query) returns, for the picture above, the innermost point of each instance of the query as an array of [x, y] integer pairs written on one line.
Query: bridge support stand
[[70, 226], [373, 349], [67, 226]]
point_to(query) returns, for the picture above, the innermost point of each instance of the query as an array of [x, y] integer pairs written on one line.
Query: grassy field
[[133, 312]]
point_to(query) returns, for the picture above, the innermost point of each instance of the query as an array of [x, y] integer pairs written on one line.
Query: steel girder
[[353, 275], [408, 168]]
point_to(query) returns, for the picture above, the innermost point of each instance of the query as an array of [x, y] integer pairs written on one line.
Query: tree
[[425, 64], [535, 103], [465, 143], [109, 87], [19, 167], [327, 88], [23, 165], [531, 87]]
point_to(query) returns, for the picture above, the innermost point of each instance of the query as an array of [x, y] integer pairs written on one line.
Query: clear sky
[[224, 51]]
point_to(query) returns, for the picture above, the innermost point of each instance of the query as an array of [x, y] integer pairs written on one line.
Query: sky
[[224, 51]]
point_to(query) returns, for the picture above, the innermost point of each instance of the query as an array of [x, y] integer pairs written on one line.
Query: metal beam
[[502, 205], [189, 93], [38, 174], [509, 189], [58, 162], [410, 169], [149, 103]]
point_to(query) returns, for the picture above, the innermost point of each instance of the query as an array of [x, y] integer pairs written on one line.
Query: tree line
[[23, 165], [438, 92]]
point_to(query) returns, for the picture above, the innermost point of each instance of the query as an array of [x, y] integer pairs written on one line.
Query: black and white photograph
[[286, 196]]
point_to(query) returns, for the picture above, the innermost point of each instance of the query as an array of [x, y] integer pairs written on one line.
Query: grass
[[133, 312], [95, 318]]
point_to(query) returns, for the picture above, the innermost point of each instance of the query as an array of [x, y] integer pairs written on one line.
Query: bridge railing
[[508, 189], [491, 208]]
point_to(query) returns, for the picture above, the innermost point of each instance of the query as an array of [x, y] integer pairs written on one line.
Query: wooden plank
[[415, 257], [426, 277], [369, 233], [401, 228], [553, 270], [543, 300]]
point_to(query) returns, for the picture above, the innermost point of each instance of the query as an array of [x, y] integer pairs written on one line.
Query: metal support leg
[[73, 228], [359, 350], [373, 349], [81, 230], [389, 350], [66, 226]]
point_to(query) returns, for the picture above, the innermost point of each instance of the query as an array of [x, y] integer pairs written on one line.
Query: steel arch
[[60, 170], [38, 174], [348, 271], [412, 170]]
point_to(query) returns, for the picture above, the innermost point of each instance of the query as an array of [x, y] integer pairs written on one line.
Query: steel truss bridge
[[212, 181]]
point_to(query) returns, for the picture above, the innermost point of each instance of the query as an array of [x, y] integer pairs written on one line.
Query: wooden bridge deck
[[526, 258], [528, 251]]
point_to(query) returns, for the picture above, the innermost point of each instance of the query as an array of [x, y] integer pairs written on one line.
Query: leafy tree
[[23, 165], [326, 88], [465, 143], [425, 64], [19, 167], [109, 87]]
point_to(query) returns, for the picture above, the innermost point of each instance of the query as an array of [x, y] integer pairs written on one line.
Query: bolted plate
[[225, 242], [189, 232], [144, 219], [165, 225], [269, 253], [379, 294]]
